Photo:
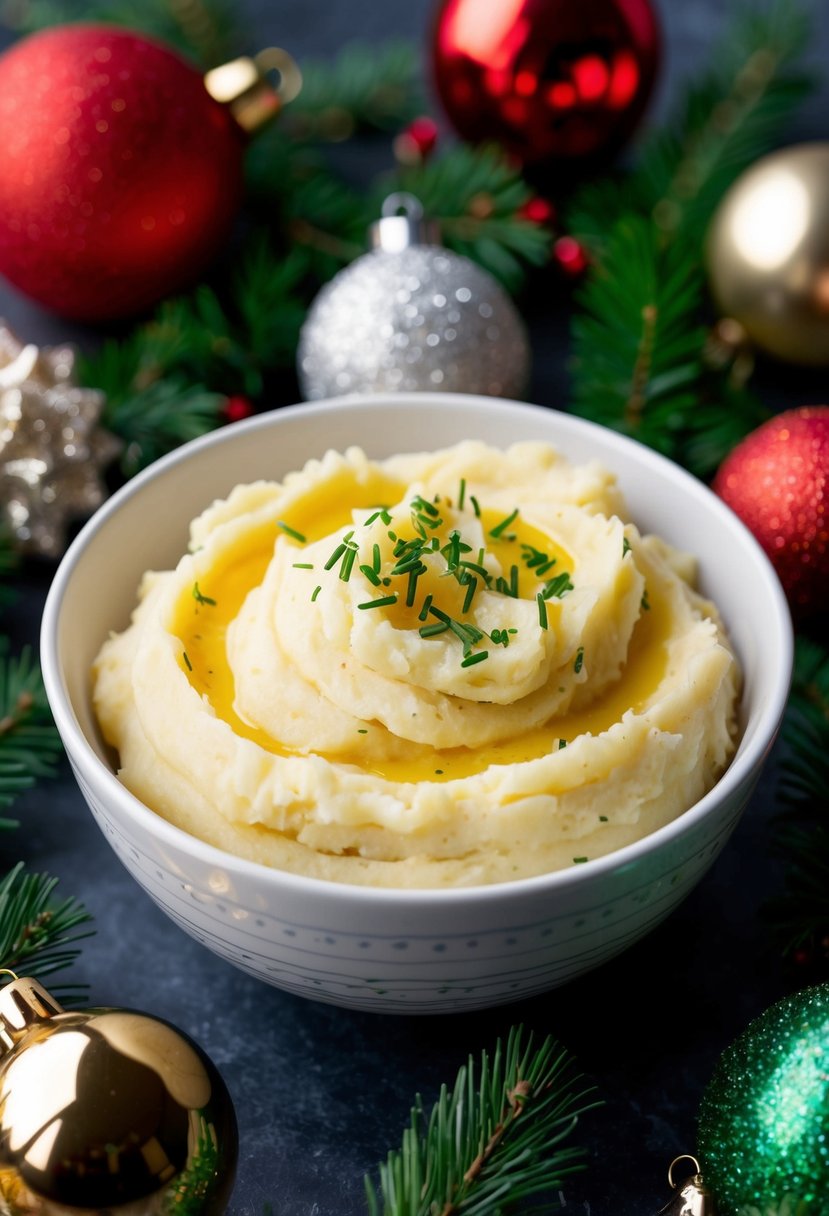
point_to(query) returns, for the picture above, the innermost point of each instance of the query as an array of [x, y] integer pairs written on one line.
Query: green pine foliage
[[29, 744], [800, 914], [494, 1142], [365, 88], [38, 934], [641, 352]]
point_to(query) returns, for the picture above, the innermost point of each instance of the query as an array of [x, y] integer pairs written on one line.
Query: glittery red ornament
[[549, 80], [120, 175], [777, 481]]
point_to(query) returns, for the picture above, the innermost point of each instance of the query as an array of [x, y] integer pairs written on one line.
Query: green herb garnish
[[201, 599], [280, 523], [579, 660], [383, 602], [497, 533]]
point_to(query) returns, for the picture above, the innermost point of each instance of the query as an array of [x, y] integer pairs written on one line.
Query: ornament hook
[[692, 1197], [402, 224]]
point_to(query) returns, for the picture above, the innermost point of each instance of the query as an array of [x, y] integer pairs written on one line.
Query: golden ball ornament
[[768, 254], [107, 1111]]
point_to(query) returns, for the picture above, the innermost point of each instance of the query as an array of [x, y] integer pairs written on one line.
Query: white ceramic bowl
[[378, 949]]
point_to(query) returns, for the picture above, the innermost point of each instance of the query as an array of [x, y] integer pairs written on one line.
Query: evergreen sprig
[[476, 195], [38, 934], [641, 353], [800, 914], [364, 88], [492, 1142], [204, 30], [29, 744]]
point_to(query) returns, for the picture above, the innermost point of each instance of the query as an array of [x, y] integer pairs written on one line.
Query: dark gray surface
[[320, 1093]]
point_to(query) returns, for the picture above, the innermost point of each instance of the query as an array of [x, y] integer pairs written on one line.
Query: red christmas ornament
[[777, 481], [120, 175], [549, 80], [416, 143]]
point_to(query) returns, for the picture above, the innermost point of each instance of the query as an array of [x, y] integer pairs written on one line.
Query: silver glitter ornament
[[51, 449], [412, 316]]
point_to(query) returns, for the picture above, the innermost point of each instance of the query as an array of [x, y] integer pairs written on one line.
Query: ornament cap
[[402, 224], [692, 1198], [23, 1002], [247, 86]]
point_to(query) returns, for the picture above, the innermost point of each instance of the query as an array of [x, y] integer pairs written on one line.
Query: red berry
[[570, 256], [539, 211], [777, 481], [417, 141], [237, 408]]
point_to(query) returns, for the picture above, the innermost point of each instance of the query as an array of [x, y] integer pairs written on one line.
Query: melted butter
[[202, 629]]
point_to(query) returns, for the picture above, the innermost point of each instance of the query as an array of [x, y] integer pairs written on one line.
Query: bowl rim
[[744, 768]]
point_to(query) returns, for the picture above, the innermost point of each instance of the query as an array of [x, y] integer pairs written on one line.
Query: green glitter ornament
[[764, 1117]]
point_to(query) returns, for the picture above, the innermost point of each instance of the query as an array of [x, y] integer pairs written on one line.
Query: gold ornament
[[768, 253], [51, 449], [692, 1197], [107, 1111]]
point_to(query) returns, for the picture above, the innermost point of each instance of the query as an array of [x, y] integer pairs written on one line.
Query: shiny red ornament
[[237, 408], [120, 175], [777, 481], [551, 81]]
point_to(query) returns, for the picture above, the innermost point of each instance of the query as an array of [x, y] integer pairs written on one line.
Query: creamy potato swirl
[[443, 668]]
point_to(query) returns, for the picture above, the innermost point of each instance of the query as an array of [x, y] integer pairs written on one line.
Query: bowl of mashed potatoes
[[416, 703]]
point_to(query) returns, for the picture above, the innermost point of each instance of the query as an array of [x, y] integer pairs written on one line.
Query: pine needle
[[800, 914], [38, 934], [29, 744], [492, 1142]]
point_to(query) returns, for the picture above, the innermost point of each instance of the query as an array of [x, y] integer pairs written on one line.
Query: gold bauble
[[768, 253], [107, 1111]]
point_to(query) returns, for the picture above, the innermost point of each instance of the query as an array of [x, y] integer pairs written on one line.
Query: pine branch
[[362, 88], [203, 30], [38, 934], [29, 744], [800, 914], [475, 195], [640, 349], [491, 1143]]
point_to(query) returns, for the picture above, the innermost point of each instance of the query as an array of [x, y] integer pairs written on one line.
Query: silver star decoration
[[52, 451]]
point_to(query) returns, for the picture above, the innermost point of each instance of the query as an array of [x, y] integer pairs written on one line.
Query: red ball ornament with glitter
[[120, 175], [777, 481], [551, 81]]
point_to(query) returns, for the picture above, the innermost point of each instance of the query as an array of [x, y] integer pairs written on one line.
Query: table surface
[[321, 1093]]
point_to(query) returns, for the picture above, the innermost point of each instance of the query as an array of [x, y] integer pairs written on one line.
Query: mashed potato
[[446, 668]]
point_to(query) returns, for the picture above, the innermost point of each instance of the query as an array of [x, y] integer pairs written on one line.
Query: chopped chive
[[438, 772], [315, 593], [375, 558], [348, 563], [478, 569], [579, 660], [432, 631], [280, 523], [371, 574], [562, 743], [362, 730], [471, 659], [603, 819], [542, 610], [186, 658], [424, 612], [411, 589], [500, 637], [380, 513], [462, 493], [475, 505], [580, 860], [645, 603], [199, 598], [537, 560], [625, 546], [419, 503], [498, 531], [336, 555], [392, 535], [303, 565], [558, 586], [470, 594], [383, 602]]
